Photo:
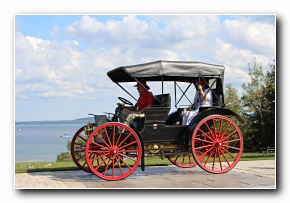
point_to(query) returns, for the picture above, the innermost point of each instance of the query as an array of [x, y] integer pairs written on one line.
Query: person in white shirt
[[203, 97]]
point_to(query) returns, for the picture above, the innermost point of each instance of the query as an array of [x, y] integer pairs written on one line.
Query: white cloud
[[59, 65], [76, 67], [111, 32], [229, 54], [256, 36]]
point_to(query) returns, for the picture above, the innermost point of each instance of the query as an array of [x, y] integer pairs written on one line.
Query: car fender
[[207, 111]]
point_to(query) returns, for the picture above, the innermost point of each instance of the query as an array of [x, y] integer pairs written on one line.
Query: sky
[[61, 61]]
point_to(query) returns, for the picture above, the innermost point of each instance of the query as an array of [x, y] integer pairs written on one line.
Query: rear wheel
[[117, 153], [217, 144], [183, 159], [78, 144]]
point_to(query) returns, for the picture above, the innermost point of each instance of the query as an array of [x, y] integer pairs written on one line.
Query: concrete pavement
[[246, 175]]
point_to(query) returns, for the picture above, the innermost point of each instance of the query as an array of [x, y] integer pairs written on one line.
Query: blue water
[[42, 143]]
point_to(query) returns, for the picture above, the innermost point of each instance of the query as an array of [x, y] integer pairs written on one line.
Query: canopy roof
[[166, 71]]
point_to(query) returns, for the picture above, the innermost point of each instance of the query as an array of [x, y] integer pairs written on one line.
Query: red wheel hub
[[113, 151], [217, 144]]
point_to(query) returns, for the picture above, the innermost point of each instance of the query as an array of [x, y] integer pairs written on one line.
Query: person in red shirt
[[146, 99]]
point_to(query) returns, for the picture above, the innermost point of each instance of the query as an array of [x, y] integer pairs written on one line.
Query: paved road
[[246, 175]]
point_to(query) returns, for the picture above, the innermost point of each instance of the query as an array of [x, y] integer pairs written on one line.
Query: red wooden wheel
[[217, 144], [182, 159], [78, 144], [118, 153]]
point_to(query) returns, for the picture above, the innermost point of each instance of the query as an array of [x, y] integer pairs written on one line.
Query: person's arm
[[204, 96], [144, 109], [194, 101], [131, 108]]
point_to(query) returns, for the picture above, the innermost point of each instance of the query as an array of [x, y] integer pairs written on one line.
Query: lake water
[[42, 143]]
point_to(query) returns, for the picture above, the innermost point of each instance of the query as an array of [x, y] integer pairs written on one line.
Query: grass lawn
[[26, 167]]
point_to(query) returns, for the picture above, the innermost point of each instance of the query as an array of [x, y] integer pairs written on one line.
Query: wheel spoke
[[80, 136], [182, 157], [124, 140], [108, 138], [226, 129], [209, 130]]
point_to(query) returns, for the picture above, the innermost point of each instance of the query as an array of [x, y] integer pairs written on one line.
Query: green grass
[[27, 167]]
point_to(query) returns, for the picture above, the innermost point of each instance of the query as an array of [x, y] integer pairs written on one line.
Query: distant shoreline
[[75, 121]]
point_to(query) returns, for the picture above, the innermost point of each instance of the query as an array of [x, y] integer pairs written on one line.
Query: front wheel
[[217, 144], [118, 151]]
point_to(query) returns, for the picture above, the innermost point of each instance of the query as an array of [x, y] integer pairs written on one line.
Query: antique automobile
[[213, 141]]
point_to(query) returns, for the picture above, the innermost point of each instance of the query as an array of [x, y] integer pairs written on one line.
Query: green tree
[[233, 102], [256, 107], [232, 99], [268, 107], [65, 156]]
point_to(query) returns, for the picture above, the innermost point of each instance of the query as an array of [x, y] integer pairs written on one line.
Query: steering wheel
[[125, 101]]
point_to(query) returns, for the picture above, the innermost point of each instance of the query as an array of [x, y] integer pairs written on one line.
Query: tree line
[[256, 106]]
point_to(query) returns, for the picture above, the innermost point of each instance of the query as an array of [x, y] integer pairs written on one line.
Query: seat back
[[100, 119], [162, 100], [161, 108], [156, 114]]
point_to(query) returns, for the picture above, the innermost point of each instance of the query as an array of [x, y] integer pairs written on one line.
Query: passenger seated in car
[[203, 97], [146, 99]]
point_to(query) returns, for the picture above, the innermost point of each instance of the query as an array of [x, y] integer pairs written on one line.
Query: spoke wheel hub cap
[[113, 151], [217, 144]]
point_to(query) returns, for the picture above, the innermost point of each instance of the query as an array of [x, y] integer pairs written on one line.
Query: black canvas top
[[166, 71]]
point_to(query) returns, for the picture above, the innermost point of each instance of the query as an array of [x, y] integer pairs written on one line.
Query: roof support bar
[[126, 91]]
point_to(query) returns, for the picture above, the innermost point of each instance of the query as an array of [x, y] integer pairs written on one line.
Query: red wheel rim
[[217, 144], [183, 160], [117, 153], [78, 145]]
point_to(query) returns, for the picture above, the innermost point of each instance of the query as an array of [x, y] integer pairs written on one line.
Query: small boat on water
[[19, 130], [65, 135]]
